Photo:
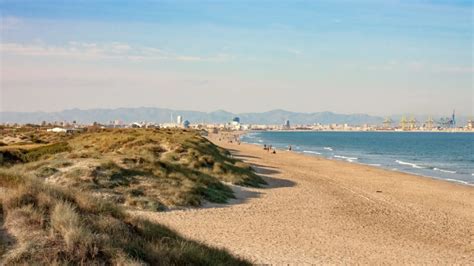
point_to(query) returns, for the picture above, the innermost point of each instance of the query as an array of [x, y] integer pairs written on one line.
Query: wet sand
[[317, 211]]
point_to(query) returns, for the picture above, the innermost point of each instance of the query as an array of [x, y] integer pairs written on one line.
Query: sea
[[441, 155]]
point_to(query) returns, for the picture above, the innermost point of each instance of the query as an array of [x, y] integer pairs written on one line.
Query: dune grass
[[48, 224], [63, 198], [13, 155], [140, 168]]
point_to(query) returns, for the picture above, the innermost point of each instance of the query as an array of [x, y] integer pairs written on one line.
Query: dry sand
[[324, 211]]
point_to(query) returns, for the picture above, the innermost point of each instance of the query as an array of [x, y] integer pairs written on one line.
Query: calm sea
[[448, 156]]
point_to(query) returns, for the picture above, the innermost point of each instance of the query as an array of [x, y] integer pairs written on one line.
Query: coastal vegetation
[[69, 194]]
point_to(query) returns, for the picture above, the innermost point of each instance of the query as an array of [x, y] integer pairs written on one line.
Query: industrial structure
[[387, 123]]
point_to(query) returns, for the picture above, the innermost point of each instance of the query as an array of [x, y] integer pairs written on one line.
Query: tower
[[453, 119]]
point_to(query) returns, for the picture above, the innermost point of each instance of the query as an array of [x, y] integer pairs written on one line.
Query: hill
[[67, 194], [160, 115]]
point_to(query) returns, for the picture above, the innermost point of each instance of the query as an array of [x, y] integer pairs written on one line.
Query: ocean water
[[448, 156]]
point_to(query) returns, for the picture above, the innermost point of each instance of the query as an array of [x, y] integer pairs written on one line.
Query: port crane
[[429, 123], [387, 123], [412, 122], [403, 123]]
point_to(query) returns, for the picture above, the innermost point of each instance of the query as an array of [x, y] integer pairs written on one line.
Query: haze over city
[[374, 57]]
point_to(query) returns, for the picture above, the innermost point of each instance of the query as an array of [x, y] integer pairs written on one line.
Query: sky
[[375, 57]]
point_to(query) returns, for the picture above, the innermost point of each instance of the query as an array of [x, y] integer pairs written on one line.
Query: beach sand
[[317, 211]]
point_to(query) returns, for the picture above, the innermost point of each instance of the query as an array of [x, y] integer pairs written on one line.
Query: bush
[[53, 225], [14, 156]]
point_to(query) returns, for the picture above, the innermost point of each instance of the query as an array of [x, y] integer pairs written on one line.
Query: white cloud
[[99, 51]]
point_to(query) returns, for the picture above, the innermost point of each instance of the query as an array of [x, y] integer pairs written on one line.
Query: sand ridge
[[325, 211]]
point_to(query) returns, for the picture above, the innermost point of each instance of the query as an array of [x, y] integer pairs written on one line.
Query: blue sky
[[376, 57]]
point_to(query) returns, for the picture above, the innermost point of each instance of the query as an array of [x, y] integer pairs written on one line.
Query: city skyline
[[378, 58]]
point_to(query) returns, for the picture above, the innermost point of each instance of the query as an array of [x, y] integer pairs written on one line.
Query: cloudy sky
[[375, 57]]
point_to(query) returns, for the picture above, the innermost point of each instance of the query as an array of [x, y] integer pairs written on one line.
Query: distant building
[[64, 130], [470, 124], [179, 120], [57, 130], [186, 124], [234, 124], [287, 124], [136, 125], [453, 119]]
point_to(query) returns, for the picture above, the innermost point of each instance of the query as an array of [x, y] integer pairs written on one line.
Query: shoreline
[[320, 156], [381, 131], [240, 134], [318, 211]]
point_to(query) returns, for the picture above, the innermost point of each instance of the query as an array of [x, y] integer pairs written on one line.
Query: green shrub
[[37, 153]]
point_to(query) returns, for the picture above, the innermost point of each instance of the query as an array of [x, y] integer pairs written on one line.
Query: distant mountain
[[161, 115]]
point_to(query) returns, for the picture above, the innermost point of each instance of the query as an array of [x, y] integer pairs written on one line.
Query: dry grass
[[146, 169], [61, 195], [30, 135], [14, 155], [54, 225]]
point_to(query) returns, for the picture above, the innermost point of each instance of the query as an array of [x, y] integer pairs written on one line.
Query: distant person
[[274, 151], [289, 148]]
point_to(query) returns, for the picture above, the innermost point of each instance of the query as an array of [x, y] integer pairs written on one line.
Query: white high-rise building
[[179, 120]]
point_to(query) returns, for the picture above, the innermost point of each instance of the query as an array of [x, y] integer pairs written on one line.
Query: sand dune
[[322, 211]]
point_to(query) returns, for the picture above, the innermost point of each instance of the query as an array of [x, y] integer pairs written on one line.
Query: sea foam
[[444, 171], [374, 164], [410, 164], [312, 152], [349, 159], [458, 181]]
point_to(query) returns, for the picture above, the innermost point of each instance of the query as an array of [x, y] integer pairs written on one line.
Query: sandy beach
[[317, 211]]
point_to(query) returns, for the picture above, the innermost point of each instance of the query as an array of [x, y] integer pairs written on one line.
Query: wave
[[328, 148], [349, 159], [410, 164], [458, 181], [374, 164], [312, 152], [444, 171]]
